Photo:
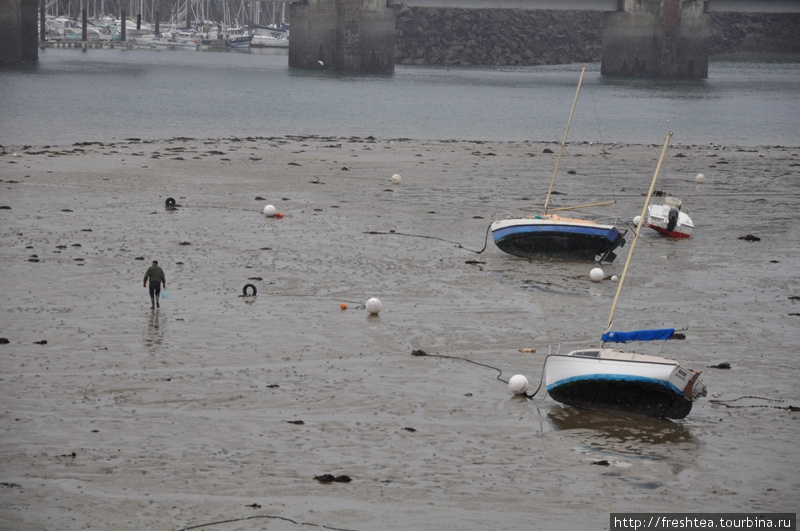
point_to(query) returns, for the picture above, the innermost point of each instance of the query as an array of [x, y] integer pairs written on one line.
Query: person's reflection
[[153, 336]]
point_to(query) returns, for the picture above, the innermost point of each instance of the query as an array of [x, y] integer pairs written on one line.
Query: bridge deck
[[555, 5], [753, 6], [712, 6]]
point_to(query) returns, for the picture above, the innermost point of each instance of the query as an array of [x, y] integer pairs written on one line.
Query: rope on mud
[[421, 353], [726, 403], [268, 516], [394, 233]]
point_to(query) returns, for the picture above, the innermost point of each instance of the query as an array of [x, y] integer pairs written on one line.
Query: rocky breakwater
[[466, 37], [508, 37]]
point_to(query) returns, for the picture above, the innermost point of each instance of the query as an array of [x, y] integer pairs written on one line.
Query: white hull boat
[[668, 219], [655, 386], [268, 41]]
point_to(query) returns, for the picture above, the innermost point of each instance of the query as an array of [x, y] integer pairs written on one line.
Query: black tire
[[244, 290], [170, 202]]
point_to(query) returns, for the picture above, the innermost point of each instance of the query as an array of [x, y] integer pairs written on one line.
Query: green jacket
[[155, 274]]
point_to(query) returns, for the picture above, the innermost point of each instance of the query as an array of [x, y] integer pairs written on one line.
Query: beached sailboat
[[610, 378], [668, 219], [548, 235]]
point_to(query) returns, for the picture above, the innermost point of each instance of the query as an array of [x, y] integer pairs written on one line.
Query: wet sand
[[217, 411]]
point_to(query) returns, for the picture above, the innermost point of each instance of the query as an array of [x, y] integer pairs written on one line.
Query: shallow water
[[187, 416], [110, 95]]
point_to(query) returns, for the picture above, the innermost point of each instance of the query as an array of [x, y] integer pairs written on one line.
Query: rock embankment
[[496, 37]]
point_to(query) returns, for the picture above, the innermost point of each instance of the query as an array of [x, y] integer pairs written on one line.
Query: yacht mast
[[636, 236], [563, 141]]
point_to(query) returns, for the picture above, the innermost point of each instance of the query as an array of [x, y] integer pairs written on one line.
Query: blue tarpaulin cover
[[638, 335]]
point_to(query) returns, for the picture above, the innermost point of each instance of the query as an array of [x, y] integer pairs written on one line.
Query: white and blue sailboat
[[548, 235], [610, 378]]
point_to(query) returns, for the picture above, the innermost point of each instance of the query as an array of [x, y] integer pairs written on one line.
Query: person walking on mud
[[157, 277]]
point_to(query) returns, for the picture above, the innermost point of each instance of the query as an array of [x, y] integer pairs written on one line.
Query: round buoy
[[374, 305], [343, 306], [518, 384], [596, 274], [269, 211], [170, 202], [614, 278], [636, 220], [700, 178], [396, 178], [251, 286]]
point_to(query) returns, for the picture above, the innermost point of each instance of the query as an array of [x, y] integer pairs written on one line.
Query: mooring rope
[[726, 403], [421, 353], [395, 233], [268, 516]]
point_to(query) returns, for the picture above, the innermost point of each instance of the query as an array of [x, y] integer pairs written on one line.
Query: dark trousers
[[155, 290]]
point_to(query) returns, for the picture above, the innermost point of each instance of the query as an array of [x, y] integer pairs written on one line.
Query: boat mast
[[636, 236], [563, 141]]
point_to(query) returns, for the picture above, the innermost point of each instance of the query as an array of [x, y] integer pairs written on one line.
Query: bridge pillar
[[18, 35], [656, 39], [345, 35]]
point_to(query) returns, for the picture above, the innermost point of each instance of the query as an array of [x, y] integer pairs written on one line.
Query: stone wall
[[527, 38]]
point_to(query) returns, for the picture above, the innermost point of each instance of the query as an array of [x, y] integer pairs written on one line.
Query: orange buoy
[[343, 306]]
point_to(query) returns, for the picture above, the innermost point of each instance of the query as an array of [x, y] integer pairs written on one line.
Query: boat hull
[[651, 385], [556, 238], [268, 41], [239, 42], [658, 219]]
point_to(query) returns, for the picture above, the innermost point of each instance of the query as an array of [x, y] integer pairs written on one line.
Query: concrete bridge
[[641, 38]]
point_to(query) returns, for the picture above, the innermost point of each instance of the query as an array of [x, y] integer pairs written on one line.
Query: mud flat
[[218, 411]]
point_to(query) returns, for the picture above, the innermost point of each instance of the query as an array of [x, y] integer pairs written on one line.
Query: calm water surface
[[105, 95]]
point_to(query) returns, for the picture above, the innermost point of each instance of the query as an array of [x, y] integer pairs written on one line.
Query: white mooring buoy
[[269, 211], [518, 384], [596, 274], [396, 178], [374, 305]]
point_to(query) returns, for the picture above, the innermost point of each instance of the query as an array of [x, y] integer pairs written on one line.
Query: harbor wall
[[506, 37], [18, 32]]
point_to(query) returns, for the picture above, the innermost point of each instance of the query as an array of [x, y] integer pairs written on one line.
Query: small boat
[[548, 235], [668, 218], [556, 237], [610, 378], [606, 377], [270, 36], [267, 40], [242, 41], [170, 41], [237, 37]]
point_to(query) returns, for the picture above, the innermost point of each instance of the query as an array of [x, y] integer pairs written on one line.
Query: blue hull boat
[[554, 237], [550, 236]]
